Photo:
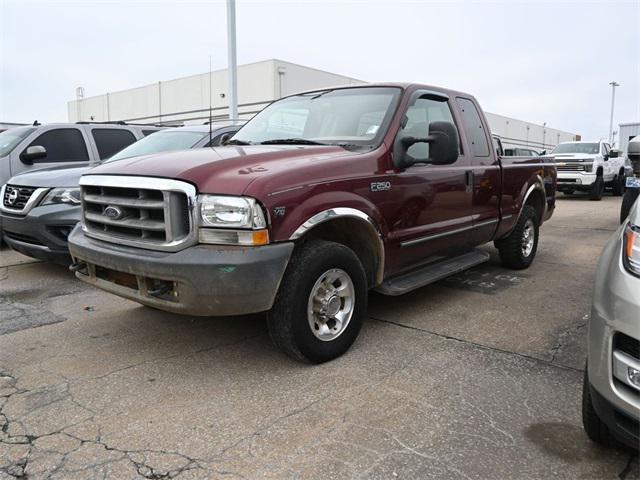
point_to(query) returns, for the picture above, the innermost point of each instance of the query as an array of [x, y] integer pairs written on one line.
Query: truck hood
[[50, 177], [225, 170]]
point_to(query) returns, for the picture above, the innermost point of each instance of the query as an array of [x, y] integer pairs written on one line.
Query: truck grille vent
[[16, 197], [147, 216], [573, 167]]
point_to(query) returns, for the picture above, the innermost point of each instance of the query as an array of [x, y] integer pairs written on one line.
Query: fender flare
[[347, 212], [538, 184]]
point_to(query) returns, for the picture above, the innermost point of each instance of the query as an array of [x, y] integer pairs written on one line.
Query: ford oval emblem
[[114, 213]]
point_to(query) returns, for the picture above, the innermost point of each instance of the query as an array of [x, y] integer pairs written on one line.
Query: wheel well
[[536, 199], [599, 172], [357, 235]]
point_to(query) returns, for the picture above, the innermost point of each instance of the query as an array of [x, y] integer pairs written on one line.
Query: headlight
[[221, 216], [631, 249], [70, 196]]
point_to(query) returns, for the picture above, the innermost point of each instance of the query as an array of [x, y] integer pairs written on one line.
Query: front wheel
[[519, 248], [597, 189], [628, 200], [593, 425], [321, 303]]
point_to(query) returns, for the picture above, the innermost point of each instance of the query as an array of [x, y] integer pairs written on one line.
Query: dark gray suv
[[39, 209]]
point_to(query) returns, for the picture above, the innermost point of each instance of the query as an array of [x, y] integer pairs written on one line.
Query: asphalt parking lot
[[475, 377]]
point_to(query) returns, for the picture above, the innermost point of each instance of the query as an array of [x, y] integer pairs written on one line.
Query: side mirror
[[614, 153], [224, 139], [443, 145], [35, 152]]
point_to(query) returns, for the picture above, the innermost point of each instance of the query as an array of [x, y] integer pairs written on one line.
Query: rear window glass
[[474, 128], [110, 140]]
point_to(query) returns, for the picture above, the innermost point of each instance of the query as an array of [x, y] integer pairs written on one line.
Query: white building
[[187, 100], [626, 132]]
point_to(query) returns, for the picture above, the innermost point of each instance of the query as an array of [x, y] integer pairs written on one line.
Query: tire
[[618, 186], [513, 251], [312, 268], [597, 189], [628, 200], [594, 427]]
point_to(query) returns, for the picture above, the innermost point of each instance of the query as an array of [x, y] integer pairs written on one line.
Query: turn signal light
[[216, 236]]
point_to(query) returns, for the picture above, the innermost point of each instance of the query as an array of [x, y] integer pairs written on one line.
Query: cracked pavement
[[454, 380]]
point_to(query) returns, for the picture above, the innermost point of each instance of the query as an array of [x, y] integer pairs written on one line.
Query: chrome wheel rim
[[331, 303], [528, 238]]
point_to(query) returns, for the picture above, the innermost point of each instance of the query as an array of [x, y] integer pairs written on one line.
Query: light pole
[[544, 134], [613, 84], [232, 67]]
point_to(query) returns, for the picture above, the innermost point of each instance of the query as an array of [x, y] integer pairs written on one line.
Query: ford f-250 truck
[[319, 198]]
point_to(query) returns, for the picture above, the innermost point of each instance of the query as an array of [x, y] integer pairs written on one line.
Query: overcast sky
[[536, 61]]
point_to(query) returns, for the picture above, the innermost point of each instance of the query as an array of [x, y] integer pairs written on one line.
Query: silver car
[[611, 393]]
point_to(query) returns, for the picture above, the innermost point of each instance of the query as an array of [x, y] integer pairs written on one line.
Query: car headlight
[[70, 196], [631, 249], [230, 220]]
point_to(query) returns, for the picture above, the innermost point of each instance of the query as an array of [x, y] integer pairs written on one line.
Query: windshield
[[348, 117], [162, 141], [588, 148], [9, 139]]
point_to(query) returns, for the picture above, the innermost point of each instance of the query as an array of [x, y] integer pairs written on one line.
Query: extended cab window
[[473, 128], [110, 140], [419, 116], [63, 145]]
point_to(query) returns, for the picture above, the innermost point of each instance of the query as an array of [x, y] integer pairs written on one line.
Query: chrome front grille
[[573, 167], [144, 212], [16, 196]]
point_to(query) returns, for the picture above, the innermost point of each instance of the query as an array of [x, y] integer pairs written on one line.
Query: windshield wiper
[[237, 142], [291, 141]]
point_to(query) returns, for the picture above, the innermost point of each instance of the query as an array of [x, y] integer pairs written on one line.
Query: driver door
[[431, 217]]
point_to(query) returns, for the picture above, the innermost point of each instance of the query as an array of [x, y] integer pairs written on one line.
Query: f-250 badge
[[380, 186]]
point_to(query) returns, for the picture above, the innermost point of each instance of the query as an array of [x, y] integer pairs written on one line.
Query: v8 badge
[[279, 211]]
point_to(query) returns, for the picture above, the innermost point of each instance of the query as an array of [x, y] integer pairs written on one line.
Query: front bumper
[[615, 309], [575, 180], [205, 280], [42, 233]]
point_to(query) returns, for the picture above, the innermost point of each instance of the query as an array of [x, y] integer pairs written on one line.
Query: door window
[[63, 145], [111, 140], [474, 128], [419, 115]]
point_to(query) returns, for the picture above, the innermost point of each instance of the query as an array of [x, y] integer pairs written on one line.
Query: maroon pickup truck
[[321, 197]]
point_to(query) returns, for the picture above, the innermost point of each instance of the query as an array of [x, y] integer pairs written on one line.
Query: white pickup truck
[[589, 167]]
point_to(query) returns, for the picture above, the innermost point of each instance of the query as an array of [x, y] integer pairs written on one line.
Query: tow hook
[[161, 289], [77, 266]]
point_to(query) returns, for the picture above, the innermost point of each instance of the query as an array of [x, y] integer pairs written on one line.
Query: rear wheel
[[597, 189], [628, 200], [518, 250], [321, 303], [618, 185]]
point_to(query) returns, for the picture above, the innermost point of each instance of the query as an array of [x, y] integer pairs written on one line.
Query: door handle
[[468, 181], [468, 178]]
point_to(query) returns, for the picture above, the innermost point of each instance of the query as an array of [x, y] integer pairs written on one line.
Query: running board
[[432, 273]]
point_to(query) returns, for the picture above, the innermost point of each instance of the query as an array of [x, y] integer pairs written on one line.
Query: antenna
[[210, 106]]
